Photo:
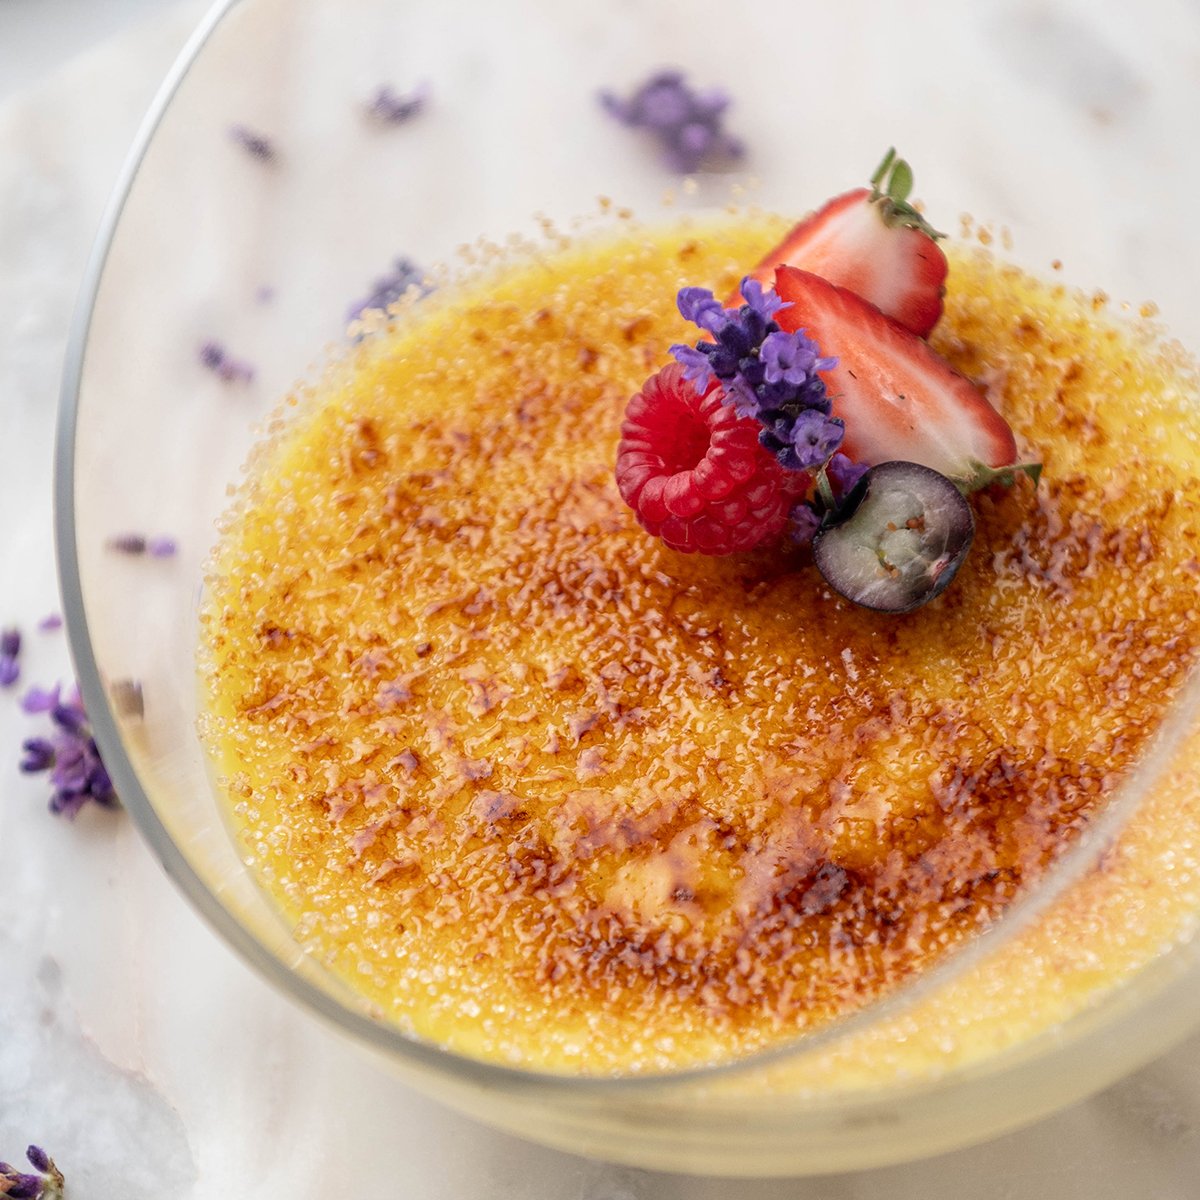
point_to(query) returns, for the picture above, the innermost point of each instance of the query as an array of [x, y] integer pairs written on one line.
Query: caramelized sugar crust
[[550, 793]]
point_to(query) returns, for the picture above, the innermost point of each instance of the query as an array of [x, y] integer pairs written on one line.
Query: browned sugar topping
[[549, 793]]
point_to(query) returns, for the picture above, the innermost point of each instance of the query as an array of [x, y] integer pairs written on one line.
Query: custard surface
[[548, 793]]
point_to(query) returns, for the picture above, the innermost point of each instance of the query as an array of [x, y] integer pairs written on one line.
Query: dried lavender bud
[[38, 1158], [69, 754], [127, 543], [10, 653], [392, 108], [217, 359], [255, 144], [50, 622], [405, 276], [134, 544], [46, 1185], [687, 123]]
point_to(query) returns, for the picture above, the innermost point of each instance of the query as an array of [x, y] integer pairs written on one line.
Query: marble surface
[[133, 1045]]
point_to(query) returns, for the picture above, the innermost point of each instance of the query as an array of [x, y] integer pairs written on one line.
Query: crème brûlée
[[549, 793]]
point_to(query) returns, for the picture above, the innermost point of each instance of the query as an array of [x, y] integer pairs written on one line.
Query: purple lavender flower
[[766, 374], [47, 1184], [50, 622], [69, 754], [696, 364], [161, 547], [791, 358], [10, 653], [805, 441], [255, 144], [804, 524], [701, 307], [392, 108], [764, 301], [387, 289], [844, 475], [217, 359], [687, 123]]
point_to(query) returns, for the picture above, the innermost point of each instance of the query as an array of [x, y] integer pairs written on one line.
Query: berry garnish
[[872, 241], [693, 470], [898, 398], [898, 540]]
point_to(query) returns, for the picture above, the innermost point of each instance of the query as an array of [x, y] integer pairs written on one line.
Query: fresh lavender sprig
[[394, 108], [765, 373], [257, 145], [10, 654], [688, 124], [69, 754], [387, 289], [47, 1184], [217, 359]]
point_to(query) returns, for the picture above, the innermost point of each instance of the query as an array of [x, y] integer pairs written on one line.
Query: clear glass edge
[[390, 1041]]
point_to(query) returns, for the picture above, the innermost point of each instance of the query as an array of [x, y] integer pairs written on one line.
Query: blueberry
[[897, 540]]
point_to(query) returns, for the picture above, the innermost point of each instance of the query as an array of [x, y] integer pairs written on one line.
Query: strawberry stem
[[880, 171], [891, 186], [981, 475]]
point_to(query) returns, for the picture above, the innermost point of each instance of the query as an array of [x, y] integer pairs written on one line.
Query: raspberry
[[694, 473]]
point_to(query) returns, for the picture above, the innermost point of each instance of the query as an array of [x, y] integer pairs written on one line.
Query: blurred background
[[38, 35]]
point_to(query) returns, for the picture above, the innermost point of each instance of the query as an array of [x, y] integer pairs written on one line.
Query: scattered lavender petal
[[255, 144], [217, 359], [161, 547], [265, 294], [687, 123], [386, 290], [50, 622], [394, 108]]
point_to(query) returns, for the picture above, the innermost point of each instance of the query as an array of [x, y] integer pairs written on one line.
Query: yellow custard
[[549, 793]]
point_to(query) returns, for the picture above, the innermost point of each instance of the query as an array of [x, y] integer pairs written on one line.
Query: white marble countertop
[[133, 1045]]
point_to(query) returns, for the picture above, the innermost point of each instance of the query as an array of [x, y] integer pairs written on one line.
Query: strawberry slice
[[872, 241], [898, 398]]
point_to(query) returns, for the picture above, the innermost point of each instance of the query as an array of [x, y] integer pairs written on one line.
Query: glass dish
[[1057, 130]]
